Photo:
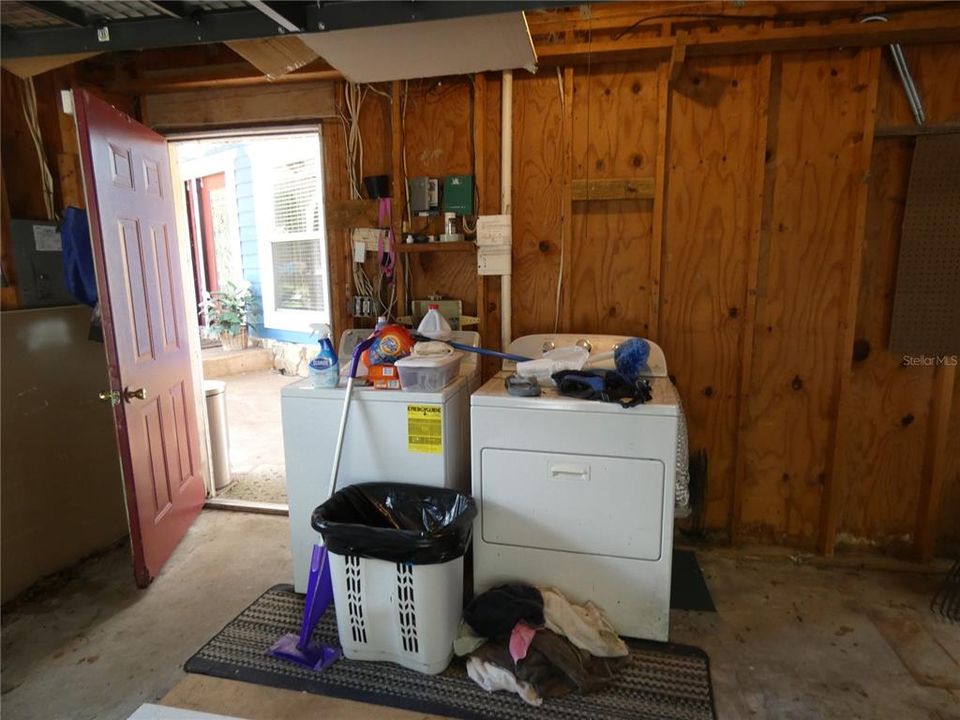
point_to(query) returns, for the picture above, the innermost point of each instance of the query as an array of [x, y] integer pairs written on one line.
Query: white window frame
[[263, 159]]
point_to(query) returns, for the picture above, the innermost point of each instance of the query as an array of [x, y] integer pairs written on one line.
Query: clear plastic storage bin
[[428, 374]]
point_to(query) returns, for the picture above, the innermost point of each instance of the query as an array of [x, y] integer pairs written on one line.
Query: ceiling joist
[[170, 8], [289, 16], [68, 14], [163, 23]]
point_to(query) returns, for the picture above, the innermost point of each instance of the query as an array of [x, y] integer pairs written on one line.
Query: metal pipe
[[913, 96], [903, 70], [506, 188]]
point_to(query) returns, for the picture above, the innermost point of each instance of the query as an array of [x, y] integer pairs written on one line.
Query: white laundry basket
[[398, 612]]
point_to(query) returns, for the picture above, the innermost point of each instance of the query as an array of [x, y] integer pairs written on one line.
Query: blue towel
[[78, 269]]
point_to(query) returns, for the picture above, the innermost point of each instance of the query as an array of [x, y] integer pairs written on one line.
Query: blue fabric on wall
[[78, 269]]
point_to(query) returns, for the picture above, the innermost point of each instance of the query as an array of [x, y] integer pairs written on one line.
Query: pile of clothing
[[534, 642]]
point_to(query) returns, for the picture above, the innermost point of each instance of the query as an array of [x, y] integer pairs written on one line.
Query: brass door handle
[[110, 396], [139, 394]]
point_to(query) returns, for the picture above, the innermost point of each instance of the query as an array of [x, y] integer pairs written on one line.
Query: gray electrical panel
[[424, 195], [38, 262]]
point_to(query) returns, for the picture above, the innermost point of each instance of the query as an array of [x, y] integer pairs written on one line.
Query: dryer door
[[572, 503]]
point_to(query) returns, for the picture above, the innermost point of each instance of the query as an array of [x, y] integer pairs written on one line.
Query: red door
[[210, 186], [126, 173]]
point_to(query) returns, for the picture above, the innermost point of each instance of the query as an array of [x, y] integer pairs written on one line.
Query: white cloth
[[584, 625], [563, 358], [467, 640], [431, 349], [493, 677]]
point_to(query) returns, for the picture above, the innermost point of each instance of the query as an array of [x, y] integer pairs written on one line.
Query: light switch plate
[[359, 251]]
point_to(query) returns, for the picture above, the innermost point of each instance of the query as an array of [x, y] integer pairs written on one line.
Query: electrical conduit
[[506, 168]]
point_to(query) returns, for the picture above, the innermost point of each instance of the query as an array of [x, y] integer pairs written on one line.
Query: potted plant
[[227, 311]]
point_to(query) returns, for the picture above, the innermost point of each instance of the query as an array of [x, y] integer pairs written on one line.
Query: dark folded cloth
[[494, 613], [553, 666]]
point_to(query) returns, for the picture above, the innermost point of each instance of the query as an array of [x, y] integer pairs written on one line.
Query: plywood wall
[[765, 259], [764, 263], [712, 218]]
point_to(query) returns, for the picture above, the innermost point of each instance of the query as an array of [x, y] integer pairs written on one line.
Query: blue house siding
[[247, 229]]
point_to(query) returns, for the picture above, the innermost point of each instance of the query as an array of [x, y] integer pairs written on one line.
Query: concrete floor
[[789, 641], [98, 647], [256, 436]]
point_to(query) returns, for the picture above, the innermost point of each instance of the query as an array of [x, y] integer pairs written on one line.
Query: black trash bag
[[397, 522]]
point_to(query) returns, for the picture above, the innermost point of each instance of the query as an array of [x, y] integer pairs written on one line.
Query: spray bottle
[[324, 369]]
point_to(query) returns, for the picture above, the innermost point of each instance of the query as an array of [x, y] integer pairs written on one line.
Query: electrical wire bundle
[[383, 289]]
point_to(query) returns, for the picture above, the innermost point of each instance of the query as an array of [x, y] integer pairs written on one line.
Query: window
[[295, 245], [289, 189]]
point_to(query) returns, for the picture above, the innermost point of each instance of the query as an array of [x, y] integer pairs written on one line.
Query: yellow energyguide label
[[424, 429]]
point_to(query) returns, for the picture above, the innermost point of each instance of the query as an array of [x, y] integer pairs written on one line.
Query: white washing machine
[[578, 494], [378, 444]]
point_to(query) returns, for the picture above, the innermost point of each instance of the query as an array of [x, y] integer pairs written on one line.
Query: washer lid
[[304, 389], [494, 394]]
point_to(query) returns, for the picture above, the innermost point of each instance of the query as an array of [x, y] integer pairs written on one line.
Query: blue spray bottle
[[324, 369]]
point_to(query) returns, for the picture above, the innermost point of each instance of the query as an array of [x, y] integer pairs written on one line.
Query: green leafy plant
[[227, 310]]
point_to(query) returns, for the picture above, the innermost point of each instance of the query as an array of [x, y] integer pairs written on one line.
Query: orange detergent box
[[384, 377]]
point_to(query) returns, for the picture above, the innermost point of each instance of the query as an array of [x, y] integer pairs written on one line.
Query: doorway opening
[[255, 213]]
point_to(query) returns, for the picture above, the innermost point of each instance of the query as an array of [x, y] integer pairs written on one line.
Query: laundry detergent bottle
[[434, 325], [324, 369]]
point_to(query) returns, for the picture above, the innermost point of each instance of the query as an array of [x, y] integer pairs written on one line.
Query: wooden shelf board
[[462, 246]]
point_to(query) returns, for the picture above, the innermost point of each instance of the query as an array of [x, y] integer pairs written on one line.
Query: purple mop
[[301, 649]]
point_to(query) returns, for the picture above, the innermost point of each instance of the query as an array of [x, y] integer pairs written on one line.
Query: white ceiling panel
[[458, 46]]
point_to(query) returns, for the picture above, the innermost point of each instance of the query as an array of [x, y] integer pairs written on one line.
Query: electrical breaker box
[[458, 194], [424, 195], [38, 259]]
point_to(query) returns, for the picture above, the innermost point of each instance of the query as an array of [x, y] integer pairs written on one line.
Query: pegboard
[[926, 307]]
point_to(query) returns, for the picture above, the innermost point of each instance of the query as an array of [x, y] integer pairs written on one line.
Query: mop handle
[[355, 361], [472, 349]]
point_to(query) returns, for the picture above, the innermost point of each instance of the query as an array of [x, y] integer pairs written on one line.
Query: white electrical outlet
[[494, 260], [368, 236]]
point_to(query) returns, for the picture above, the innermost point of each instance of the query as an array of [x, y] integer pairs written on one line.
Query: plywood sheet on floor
[[258, 702]]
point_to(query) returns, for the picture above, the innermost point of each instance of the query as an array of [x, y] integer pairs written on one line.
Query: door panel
[[133, 228]]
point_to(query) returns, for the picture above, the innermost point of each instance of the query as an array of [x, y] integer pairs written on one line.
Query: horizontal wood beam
[[348, 214], [929, 27], [902, 131], [613, 189], [230, 76], [446, 247], [226, 107], [614, 16]]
